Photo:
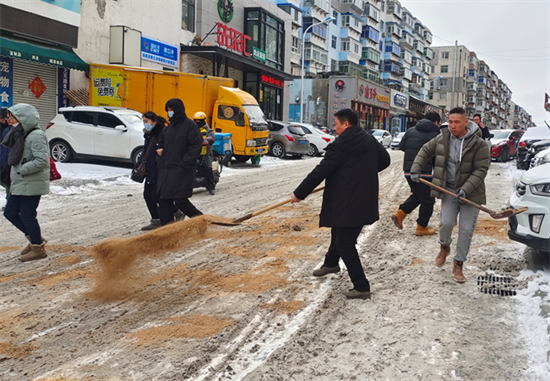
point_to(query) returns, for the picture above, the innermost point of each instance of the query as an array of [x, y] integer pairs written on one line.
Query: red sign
[[232, 39], [37, 87], [370, 92], [273, 81]]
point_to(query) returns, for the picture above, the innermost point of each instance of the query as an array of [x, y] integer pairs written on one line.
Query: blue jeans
[[21, 212]]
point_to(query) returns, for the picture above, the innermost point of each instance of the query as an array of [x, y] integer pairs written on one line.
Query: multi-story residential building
[[522, 119], [316, 44]]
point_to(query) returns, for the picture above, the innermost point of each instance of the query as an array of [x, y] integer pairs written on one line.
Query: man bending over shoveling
[[462, 159], [350, 200]]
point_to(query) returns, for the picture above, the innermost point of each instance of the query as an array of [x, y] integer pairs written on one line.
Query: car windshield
[[130, 118], [400, 135], [375, 132], [538, 132], [296, 130], [254, 113], [501, 135]]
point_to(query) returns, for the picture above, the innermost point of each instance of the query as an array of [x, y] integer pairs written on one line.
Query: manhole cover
[[497, 285]]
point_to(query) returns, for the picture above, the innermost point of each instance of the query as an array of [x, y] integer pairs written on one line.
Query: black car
[[531, 136], [533, 150]]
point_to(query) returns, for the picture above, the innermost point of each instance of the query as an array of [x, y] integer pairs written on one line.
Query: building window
[[188, 15], [445, 55], [430, 96], [266, 33], [295, 44], [443, 96], [345, 46], [443, 82], [334, 42], [356, 48], [333, 65], [444, 68], [335, 15]]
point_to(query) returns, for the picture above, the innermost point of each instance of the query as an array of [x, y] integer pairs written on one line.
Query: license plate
[[261, 150], [302, 142]]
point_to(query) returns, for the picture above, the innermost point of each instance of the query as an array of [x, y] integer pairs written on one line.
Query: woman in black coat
[[179, 148]]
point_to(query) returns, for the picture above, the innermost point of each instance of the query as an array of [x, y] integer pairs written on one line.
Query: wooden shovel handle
[[429, 183], [250, 215]]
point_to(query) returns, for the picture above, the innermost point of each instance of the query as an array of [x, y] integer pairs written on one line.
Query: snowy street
[[239, 303]]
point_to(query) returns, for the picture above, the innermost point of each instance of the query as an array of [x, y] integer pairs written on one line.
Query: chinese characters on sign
[[159, 52], [6, 82], [273, 81], [37, 87], [104, 87], [232, 39]]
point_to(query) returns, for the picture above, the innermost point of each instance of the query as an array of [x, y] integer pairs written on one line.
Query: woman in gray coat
[[30, 176]]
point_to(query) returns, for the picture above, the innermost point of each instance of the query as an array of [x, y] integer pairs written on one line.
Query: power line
[[516, 50]]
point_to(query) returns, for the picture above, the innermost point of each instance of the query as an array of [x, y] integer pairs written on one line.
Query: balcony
[[471, 86], [419, 46], [371, 75], [407, 40], [371, 55], [428, 53], [428, 37], [392, 67], [406, 56], [406, 73], [323, 5], [393, 48], [370, 33], [395, 9], [428, 69], [394, 29], [372, 12]]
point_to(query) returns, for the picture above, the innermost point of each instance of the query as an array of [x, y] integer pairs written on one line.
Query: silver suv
[[285, 139], [99, 132]]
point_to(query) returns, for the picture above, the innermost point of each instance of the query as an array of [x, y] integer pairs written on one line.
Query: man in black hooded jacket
[[350, 200], [179, 147], [425, 130]]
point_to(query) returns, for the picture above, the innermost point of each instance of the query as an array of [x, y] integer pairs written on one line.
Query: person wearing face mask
[[29, 159], [178, 148], [153, 128]]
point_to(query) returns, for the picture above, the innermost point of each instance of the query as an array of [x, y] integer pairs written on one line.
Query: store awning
[[41, 53]]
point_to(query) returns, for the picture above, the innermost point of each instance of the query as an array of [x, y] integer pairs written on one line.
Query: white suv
[[88, 131], [532, 227]]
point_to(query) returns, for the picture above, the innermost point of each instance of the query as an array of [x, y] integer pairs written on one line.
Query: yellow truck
[[229, 109]]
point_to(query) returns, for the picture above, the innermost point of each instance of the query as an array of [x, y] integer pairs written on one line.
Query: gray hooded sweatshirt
[[456, 146]]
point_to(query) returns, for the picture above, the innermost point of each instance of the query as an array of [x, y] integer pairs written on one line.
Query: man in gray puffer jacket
[[462, 159], [30, 176]]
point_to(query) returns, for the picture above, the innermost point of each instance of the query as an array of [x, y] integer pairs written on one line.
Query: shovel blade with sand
[[496, 215]]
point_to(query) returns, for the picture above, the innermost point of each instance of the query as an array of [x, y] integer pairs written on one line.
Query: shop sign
[[159, 52], [62, 86], [340, 85], [225, 10], [416, 107], [272, 81], [259, 54], [400, 100], [6, 82], [383, 98], [232, 39], [106, 87]]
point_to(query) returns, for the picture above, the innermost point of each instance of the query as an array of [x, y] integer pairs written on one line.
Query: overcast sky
[[512, 37]]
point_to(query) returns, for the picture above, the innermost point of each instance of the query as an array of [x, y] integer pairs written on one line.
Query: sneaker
[[442, 255], [355, 294], [179, 216], [457, 272], [211, 191], [324, 270], [155, 223]]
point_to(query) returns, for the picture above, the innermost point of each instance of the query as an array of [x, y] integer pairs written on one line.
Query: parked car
[[532, 228], [285, 139], [534, 150], [321, 128], [318, 140], [397, 140], [504, 143], [98, 132], [531, 135], [543, 157], [383, 137]]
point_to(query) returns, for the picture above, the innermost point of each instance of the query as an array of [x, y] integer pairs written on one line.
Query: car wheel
[[518, 164], [278, 150], [503, 157], [241, 158], [61, 151], [136, 155], [312, 151]]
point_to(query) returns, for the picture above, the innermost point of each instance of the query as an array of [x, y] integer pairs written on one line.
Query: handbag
[[140, 171], [54, 173]]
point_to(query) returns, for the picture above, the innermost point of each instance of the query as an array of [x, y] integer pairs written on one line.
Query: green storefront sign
[[259, 54]]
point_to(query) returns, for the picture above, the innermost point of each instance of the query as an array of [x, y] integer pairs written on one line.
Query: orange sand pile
[[494, 228], [117, 257], [285, 307], [16, 351]]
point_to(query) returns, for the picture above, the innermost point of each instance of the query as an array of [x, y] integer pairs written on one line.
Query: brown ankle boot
[[424, 230], [442, 256], [457, 272], [398, 218], [27, 248], [37, 252]]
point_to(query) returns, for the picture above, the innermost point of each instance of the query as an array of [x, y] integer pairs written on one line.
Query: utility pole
[[454, 76]]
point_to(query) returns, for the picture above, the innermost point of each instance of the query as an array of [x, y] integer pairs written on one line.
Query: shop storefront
[[399, 106], [370, 101], [416, 111], [256, 51]]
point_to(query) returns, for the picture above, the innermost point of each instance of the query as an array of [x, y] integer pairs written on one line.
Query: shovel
[[496, 215], [237, 221]]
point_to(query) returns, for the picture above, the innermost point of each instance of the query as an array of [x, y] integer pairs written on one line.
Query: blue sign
[[6, 82], [159, 52], [71, 5], [400, 100]]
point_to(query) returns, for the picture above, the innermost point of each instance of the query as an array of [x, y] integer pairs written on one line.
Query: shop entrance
[[270, 102]]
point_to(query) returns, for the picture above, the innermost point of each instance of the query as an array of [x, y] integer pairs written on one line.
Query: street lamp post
[[326, 21]]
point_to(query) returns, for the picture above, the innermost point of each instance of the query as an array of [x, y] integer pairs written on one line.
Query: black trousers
[[342, 245], [420, 195], [151, 199], [166, 209], [206, 171]]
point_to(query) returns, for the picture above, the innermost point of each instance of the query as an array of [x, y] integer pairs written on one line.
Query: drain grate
[[497, 285]]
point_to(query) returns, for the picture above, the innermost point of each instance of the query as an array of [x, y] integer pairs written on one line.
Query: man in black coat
[[179, 148], [350, 200], [425, 130]]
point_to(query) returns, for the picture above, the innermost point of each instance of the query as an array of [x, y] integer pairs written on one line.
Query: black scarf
[[15, 141]]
